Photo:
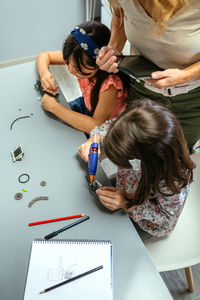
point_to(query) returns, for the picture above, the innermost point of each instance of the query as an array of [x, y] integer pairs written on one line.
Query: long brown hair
[[159, 10], [150, 132]]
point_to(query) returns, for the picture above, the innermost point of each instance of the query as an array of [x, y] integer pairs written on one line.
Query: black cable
[[18, 119]]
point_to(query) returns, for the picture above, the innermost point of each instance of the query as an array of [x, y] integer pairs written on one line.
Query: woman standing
[[167, 32]]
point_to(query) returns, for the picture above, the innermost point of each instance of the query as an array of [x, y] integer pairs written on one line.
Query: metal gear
[[43, 183], [18, 196]]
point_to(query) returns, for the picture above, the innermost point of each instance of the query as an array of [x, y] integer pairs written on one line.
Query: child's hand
[[48, 83], [113, 198], [84, 149], [49, 103]]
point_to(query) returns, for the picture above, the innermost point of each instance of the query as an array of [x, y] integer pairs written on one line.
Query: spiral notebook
[[55, 261]]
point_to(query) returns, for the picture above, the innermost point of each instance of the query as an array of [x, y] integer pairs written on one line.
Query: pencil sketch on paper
[[60, 273]]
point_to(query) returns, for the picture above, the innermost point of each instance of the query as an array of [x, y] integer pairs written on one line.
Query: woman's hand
[[113, 198], [107, 59], [48, 83], [49, 103], [167, 78]]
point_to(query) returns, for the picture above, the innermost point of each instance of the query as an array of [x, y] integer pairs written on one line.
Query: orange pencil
[[56, 220]]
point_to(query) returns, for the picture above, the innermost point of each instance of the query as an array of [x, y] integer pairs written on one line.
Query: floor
[[174, 280], [177, 284]]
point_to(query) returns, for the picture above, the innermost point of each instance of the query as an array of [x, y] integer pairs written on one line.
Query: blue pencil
[[49, 236]]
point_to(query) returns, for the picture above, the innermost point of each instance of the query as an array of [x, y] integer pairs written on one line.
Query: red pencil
[[55, 220]]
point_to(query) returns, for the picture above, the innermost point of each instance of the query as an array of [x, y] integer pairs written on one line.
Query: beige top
[[178, 47]]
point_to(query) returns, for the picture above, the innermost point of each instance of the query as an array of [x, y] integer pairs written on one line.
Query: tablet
[[137, 66]]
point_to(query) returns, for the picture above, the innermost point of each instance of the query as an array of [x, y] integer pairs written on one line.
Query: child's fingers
[[83, 151], [50, 91], [105, 199], [109, 203], [106, 193], [48, 83], [109, 188]]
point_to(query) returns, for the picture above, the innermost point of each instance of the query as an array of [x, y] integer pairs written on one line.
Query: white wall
[[28, 27]]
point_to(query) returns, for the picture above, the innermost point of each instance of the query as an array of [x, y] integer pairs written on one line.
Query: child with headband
[[147, 144], [104, 94]]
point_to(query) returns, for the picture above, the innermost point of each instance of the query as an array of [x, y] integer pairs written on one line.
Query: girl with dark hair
[[104, 94], [155, 169]]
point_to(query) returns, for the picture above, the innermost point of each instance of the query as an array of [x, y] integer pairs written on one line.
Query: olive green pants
[[186, 108]]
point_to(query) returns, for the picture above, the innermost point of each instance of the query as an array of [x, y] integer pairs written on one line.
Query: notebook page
[[51, 263]]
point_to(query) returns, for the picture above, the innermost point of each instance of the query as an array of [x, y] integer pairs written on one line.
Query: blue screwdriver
[[93, 158]]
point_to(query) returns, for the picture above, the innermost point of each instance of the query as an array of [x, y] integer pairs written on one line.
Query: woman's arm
[[118, 36], [107, 58], [44, 59], [105, 106]]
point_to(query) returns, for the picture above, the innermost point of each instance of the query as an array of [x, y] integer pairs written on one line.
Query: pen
[[55, 220], [49, 236], [71, 279]]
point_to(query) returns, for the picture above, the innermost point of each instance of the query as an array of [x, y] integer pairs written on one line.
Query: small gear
[[18, 196], [43, 183]]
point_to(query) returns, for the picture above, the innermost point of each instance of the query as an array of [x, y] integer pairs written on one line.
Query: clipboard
[[137, 66]]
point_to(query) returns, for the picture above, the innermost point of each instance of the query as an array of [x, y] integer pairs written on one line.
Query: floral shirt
[[112, 80], [157, 218]]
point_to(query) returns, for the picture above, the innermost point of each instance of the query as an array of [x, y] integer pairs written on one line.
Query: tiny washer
[[26, 179], [18, 196], [43, 183]]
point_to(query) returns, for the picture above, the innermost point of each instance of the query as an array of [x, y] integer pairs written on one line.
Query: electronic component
[[17, 153], [94, 185]]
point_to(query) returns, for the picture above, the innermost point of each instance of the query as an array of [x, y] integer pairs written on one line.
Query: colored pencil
[[56, 220], [71, 279]]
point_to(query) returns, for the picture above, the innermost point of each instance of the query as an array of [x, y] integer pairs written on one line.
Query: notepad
[[137, 66], [55, 261]]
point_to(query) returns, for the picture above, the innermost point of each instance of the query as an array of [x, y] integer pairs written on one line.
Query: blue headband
[[86, 42]]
